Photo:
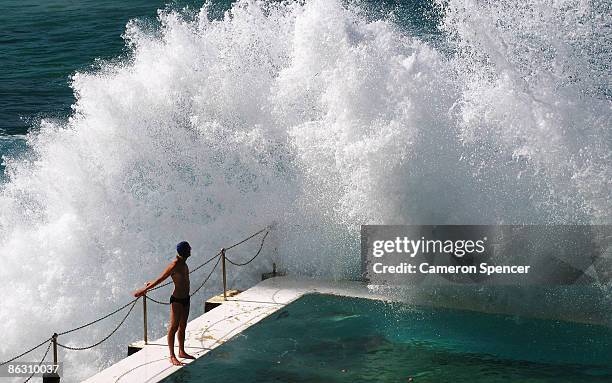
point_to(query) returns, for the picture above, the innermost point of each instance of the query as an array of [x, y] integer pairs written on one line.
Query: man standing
[[179, 300]]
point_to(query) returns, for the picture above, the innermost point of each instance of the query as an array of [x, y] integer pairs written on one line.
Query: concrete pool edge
[[219, 325]]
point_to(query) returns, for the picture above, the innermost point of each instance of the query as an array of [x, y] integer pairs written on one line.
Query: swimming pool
[[326, 338]]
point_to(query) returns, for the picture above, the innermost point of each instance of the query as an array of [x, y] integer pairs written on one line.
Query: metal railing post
[[144, 312], [54, 338], [52, 377], [224, 275]]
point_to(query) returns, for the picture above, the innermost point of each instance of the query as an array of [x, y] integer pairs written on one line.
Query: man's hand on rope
[[141, 292]]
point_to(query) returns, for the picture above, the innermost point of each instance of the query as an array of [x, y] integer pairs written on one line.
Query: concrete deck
[[222, 323]]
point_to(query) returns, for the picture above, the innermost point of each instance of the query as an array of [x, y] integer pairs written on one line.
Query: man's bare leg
[[175, 316], [181, 335]]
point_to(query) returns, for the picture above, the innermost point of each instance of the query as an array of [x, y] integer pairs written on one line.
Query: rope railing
[[25, 352], [246, 239], [255, 256], [99, 319], [103, 339], [220, 257], [207, 278], [39, 363]]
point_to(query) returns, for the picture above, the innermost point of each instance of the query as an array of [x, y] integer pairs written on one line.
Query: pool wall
[[572, 303]]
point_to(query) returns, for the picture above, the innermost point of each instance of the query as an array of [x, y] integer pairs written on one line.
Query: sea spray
[[310, 115], [535, 102]]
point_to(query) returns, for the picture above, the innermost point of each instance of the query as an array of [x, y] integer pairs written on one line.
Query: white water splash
[[307, 115]]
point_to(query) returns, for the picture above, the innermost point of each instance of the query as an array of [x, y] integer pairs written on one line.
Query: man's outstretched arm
[[162, 277]]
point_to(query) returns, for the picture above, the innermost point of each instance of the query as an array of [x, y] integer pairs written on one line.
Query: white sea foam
[[307, 115]]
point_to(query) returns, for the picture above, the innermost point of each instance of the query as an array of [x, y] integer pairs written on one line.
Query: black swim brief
[[183, 301]]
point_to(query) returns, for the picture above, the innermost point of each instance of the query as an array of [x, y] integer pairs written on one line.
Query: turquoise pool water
[[323, 338]]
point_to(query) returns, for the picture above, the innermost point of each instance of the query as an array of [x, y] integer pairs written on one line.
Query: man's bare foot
[[183, 354], [175, 361]]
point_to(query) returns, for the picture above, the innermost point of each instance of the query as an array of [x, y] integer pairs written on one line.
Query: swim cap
[[183, 249]]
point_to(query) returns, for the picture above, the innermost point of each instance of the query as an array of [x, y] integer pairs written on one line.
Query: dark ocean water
[[45, 41]]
